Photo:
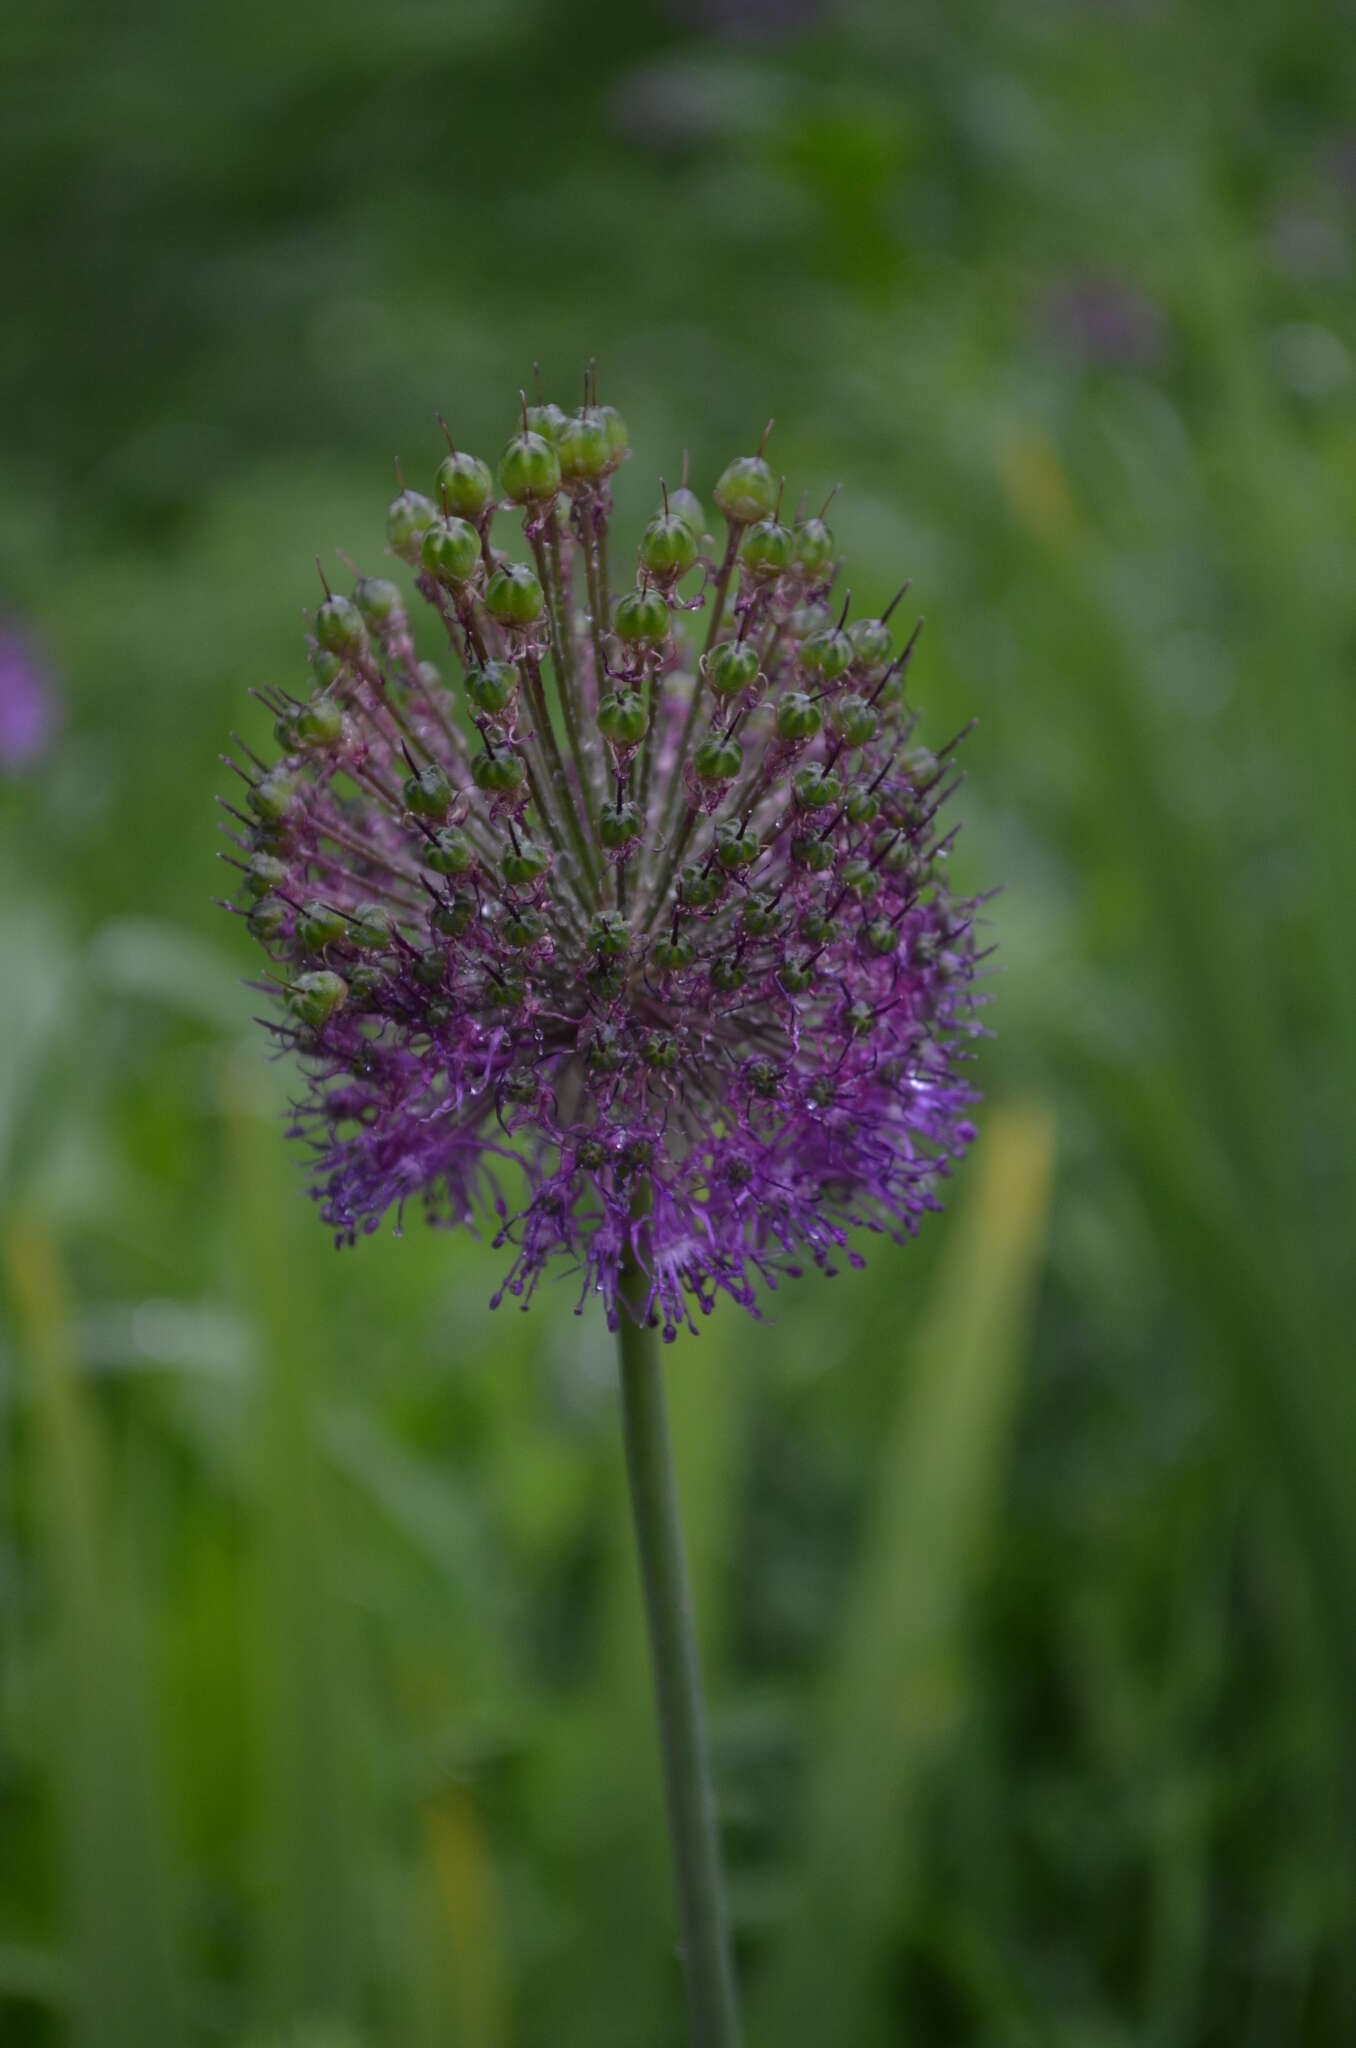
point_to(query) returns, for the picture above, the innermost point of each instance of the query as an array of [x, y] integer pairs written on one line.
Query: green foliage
[[1026, 1560]]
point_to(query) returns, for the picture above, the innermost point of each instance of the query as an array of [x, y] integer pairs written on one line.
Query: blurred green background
[[1026, 1561]]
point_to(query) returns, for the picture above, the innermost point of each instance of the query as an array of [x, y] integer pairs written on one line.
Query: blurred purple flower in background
[[30, 710], [1103, 322]]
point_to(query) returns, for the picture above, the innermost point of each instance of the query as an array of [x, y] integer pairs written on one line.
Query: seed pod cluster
[[626, 925]]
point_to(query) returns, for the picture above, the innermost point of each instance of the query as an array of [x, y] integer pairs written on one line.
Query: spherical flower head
[[629, 943]]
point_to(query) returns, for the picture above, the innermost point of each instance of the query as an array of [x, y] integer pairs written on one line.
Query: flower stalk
[[684, 1744]]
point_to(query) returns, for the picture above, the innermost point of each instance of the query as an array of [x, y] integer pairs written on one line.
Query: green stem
[[562, 656], [555, 766], [673, 793], [597, 595], [678, 1696]]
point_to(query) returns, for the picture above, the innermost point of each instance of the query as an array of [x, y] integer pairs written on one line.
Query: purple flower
[[646, 956], [1105, 322], [29, 712]]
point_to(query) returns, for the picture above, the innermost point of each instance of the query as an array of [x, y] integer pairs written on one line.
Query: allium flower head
[[630, 933]]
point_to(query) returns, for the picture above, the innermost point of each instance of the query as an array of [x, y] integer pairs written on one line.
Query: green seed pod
[[319, 926], [618, 439], [607, 979], [853, 719], [379, 601], [266, 872], [860, 1019], [700, 887], [619, 825], [453, 919], [863, 804], [529, 470], [428, 794], [760, 916], [364, 988], [873, 644], [861, 878], [285, 729], [729, 974], [499, 774], [623, 718], [904, 807], [823, 1091], [492, 689], [687, 506], [605, 1054], [815, 787], [661, 1052], [339, 627], [763, 1079], [817, 928], [717, 760], [670, 954], [319, 724], [325, 667], [812, 853], [893, 855], [735, 847], [408, 519], [747, 490], [370, 928], [826, 654], [522, 928], [451, 552], [268, 918], [766, 548], [547, 420], [273, 798], [812, 548], [514, 596], [464, 485], [730, 667], [582, 447], [796, 977], [609, 935], [505, 995], [591, 1153], [524, 864], [882, 937], [314, 998], [807, 619], [449, 853], [668, 547], [269, 837], [430, 966], [641, 618], [798, 716]]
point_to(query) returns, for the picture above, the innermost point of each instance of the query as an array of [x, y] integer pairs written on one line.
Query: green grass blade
[[897, 1676]]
